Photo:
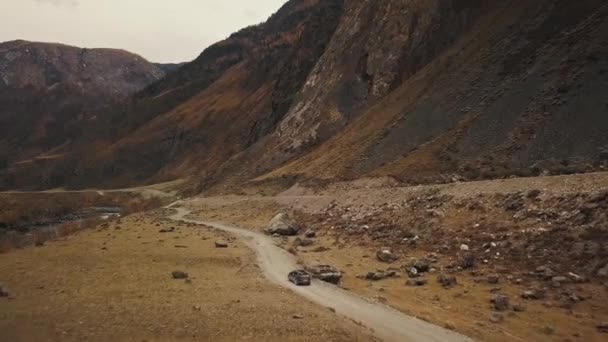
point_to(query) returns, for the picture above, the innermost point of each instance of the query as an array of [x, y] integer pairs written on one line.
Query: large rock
[[282, 224], [325, 273]]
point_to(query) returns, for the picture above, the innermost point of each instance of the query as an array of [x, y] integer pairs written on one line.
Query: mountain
[[49, 94], [424, 91]]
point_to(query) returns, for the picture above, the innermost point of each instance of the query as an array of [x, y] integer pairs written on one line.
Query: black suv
[[299, 277]]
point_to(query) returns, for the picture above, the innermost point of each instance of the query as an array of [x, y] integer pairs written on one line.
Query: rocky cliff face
[[419, 90], [377, 46], [50, 94]]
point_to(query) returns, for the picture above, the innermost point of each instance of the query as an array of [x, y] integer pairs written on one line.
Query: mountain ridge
[[429, 91]]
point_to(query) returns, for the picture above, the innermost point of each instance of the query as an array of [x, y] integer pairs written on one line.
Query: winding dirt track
[[387, 323]]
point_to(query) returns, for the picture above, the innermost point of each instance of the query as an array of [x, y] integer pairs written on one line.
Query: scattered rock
[[221, 244], [501, 302], [602, 327], [518, 307], [545, 272], [514, 202], [282, 224], [532, 194], [548, 330], [386, 255], [326, 273], [380, 275], [464, 248], [320, 249], [533, 294], [3, 291], [496, 318], [603, 272], [179, 275], [298, 316], [421, 265], [302, 242], [558, 281], [493, 279], [197, 308], [167, 230], [575, 278], [447, 281], [412, 272], [310, 234], [416, 282], [468, 261]]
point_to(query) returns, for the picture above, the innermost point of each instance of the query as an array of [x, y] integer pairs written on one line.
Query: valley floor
[[539, 234], [115, 283]]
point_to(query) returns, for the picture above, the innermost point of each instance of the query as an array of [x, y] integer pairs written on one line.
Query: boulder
[[602, 327], [386, 255], [283, 225], [326, 273], [221, 244]]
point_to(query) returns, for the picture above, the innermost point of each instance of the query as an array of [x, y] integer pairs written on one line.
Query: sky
[[162, 31]]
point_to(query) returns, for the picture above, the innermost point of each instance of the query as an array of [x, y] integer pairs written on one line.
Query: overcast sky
[[159, 30]]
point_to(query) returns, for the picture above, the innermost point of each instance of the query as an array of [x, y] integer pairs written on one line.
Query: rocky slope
[[424, 91], [49, 94]]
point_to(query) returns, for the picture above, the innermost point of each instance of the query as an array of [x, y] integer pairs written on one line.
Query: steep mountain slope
[[419, 90], [522, 92], [49, 93]]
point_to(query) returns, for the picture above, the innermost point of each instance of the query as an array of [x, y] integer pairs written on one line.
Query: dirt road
[[276, 263]]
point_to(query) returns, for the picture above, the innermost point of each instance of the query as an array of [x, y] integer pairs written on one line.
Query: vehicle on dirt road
[[299, 277]]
